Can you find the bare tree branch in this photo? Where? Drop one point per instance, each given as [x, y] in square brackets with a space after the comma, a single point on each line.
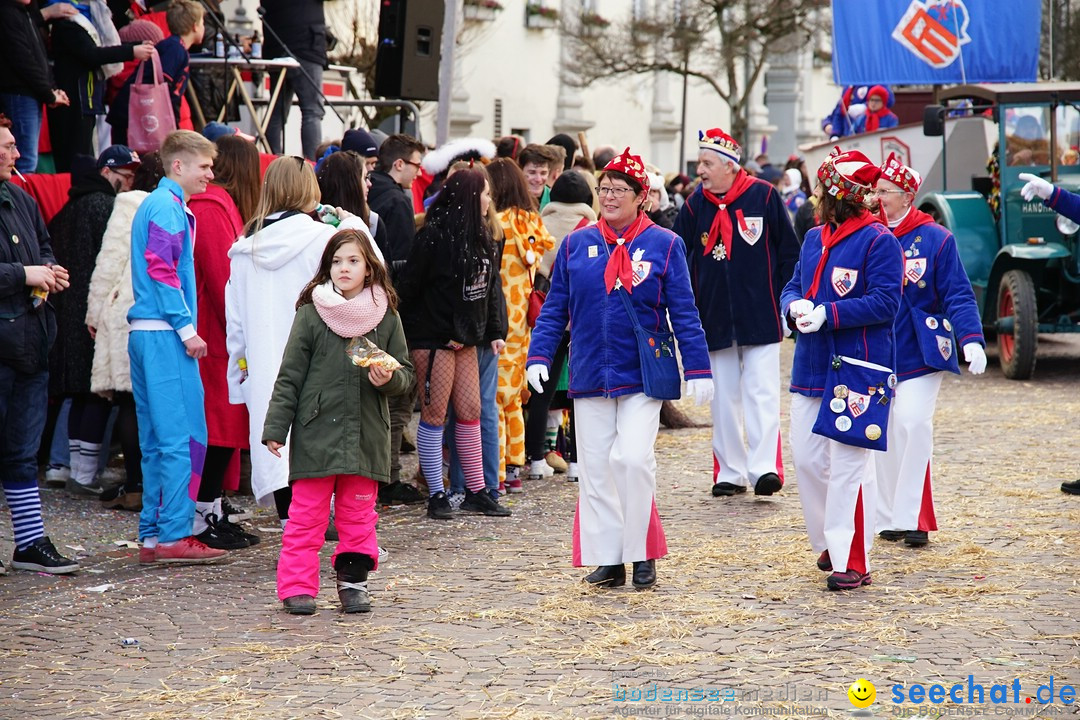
[725, 44]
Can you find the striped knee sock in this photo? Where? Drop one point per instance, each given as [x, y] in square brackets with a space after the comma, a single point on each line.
[25, 504]
[429, 448]
[471, 453]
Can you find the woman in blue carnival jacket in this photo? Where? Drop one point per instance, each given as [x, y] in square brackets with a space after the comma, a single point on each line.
[616, 520]
[938, 302]
[847, 285]
[1067, 204]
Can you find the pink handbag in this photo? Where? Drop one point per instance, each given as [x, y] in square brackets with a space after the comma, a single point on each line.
[150, 110]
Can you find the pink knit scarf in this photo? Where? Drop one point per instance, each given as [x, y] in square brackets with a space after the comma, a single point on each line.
[350, 318]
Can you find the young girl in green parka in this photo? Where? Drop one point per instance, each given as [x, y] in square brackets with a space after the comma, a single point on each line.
[330, 399]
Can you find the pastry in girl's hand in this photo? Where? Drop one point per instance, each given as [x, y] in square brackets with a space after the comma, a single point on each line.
[365, 353]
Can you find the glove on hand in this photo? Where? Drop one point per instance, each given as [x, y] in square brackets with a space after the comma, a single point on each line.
[975, 357]
[536, 375]
[812, 321]
[701, 390]
[1035, 186]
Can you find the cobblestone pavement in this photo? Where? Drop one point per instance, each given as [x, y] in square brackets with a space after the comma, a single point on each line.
[485, 618]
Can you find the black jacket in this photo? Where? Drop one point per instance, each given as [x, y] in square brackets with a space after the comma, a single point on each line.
[26, 333]
[77, 231]
[24, 66]
[78, 65]
[300, 24]
[450, 293]
[395, 210]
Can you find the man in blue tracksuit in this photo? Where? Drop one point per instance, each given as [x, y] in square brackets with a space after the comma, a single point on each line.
[741, 250]
[165, 347]
[1068, 204]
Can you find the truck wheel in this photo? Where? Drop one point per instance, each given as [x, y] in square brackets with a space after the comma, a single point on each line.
[1016, 299]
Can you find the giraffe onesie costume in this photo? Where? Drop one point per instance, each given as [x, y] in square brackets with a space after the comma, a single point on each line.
[526, 243]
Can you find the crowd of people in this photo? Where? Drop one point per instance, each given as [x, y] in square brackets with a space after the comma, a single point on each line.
[535, 303]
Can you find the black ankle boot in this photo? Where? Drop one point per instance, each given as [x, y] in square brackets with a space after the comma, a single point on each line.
[607, 576]
[644, 574]
[352, 572]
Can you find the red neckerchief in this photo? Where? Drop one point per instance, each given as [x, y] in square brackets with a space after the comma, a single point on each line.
[721, 224]
[618, 264]
[873, 120]
[912, 220]
[830, 238]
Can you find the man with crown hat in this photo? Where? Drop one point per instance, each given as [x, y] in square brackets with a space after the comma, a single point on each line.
[938, 304]
[843, 297]
[741, 250]
[623, 258]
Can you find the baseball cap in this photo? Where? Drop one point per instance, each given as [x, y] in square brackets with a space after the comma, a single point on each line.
[213, 130]
[118, 156]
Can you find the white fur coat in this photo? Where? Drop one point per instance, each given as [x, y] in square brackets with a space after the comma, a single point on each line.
[111, 297]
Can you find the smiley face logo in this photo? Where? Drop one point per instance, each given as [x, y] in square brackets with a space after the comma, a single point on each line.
[862, 693]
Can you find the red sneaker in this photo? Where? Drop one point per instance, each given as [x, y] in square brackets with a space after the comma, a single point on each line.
[188, 551]
[514, 485]
[823, 562]
[147, 556]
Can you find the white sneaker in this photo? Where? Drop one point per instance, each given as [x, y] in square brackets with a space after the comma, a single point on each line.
[572, 472]
[57, 475]
[539, 469]
[383, 554]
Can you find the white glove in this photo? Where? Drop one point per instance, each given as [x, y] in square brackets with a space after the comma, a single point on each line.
[812, 321]
[701, 390]
[799, 307]
[536, 375]
[975, 357]
[1035, 186]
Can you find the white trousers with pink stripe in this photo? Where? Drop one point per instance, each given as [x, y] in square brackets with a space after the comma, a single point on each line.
[747, 392]
[616, 519]
[903, 471]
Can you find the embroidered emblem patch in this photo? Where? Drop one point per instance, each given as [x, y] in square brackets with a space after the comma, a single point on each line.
[857, 403]
[750, 228]
[641, 270]
[843, 279]
[914, 269]
[944, 346]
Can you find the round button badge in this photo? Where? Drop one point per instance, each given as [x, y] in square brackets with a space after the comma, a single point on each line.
[873, 432]
[837, 405]
[931, 323]
[843, 423]
[946, 324]
[840, 391]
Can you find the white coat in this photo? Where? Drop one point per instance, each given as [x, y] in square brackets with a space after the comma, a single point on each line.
[268, 271]
[111, 297]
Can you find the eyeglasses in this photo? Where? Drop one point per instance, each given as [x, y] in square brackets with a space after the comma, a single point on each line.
[888, 192]
[123, 173]
[619, 192]
[414, 164]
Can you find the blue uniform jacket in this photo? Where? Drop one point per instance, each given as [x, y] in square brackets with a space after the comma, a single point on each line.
[1064, 202]
[162, 260]
[860, 289]
[934, 282]
[603, 348]
[738, 298]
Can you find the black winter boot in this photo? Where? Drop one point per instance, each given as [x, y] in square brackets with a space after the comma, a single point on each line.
[352, 571]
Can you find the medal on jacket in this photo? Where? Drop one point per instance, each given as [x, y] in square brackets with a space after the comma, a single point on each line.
[718, 251]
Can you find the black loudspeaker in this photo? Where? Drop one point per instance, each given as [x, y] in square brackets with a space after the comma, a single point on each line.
[407, 59]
